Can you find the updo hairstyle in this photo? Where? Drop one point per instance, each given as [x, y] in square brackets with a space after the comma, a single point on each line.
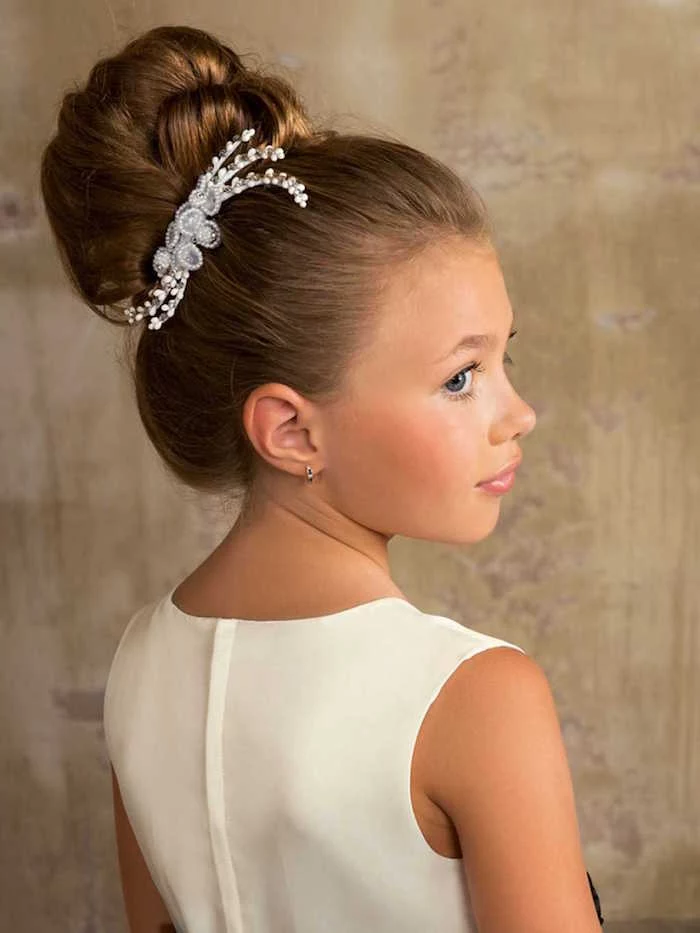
[290, 296]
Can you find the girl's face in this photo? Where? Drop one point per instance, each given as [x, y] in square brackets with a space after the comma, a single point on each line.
[424, 419]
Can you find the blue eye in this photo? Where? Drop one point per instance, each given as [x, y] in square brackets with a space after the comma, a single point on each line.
[473, 367]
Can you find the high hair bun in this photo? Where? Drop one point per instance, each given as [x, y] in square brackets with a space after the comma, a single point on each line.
[131, 142]
[290, 297]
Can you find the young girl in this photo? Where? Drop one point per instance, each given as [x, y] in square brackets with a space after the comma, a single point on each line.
[322, 328]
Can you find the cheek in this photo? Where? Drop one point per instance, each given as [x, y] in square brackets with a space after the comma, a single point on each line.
[411, 470]
[441, 445]
[394, 449]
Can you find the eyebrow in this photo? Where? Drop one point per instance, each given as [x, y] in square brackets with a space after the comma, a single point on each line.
[475, 342]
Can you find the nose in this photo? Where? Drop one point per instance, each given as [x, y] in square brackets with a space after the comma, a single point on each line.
[517, 420]
[526, 418]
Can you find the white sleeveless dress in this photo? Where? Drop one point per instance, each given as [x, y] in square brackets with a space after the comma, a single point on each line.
[265, 767]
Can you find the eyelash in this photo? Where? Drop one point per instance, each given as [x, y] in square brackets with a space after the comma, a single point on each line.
[478, 368]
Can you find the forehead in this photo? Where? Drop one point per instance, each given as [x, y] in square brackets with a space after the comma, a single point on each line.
[450, 290]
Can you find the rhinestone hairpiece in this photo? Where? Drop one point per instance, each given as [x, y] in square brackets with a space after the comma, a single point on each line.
[192, 228]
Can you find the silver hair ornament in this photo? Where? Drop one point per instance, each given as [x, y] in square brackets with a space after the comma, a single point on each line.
[192, 228]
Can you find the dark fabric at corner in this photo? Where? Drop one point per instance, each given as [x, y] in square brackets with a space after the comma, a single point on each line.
[596, 899]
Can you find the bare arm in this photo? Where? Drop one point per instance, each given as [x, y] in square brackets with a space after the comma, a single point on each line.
[500, 771]
[145, 910]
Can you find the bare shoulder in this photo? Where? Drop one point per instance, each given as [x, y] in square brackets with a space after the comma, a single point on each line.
[499, 770]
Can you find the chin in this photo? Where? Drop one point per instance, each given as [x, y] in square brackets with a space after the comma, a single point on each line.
[468, 526]
[467, 533]
[474, 531]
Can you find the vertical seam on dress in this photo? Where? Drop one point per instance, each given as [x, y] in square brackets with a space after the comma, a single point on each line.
[218, 682]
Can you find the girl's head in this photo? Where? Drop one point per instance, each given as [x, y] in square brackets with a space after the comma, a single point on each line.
[324, 336]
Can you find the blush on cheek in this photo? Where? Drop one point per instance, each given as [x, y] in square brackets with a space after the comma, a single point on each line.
[442, 452]
[412, 456]
[379, 457]
[398, 475]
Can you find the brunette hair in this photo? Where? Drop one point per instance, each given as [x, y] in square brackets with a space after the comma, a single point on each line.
[289, 295]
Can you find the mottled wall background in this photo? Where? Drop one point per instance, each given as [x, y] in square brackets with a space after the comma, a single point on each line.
[578, 122]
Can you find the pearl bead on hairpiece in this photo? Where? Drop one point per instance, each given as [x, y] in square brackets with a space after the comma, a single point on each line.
[191, 227]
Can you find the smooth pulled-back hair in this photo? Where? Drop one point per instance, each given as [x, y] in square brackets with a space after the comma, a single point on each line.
[291, 295]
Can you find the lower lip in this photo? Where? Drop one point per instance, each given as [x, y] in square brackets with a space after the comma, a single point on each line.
[499, 486]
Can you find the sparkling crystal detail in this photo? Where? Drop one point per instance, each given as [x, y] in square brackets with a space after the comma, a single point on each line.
[189, 256]
[161, 260]
[172, 235]
[208, 234]
[189, 219]
[192, 228]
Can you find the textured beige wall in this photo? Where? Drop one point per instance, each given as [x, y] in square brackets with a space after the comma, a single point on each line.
[578, 122]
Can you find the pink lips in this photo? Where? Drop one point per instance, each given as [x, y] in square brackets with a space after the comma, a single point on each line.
[503, 478]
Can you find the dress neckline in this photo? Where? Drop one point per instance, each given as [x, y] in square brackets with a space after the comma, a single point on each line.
[330, 617]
